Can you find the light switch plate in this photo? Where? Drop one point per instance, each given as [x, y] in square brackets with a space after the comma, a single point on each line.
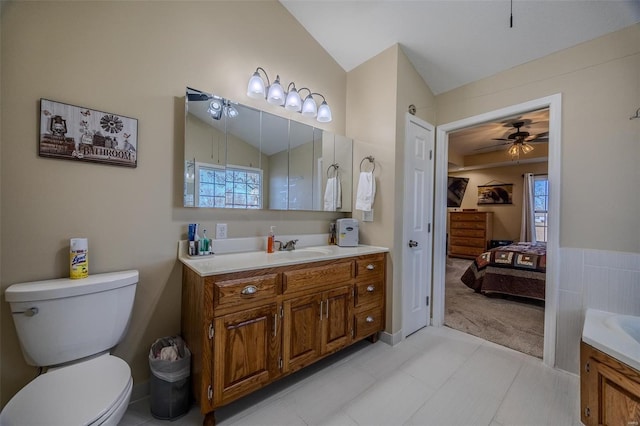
[367, 216]
[221, 231]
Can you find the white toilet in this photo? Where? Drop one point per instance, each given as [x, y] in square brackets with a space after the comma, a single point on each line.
[70, 326]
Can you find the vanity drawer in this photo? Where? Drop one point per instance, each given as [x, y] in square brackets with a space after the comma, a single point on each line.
[369, 268]
[368, 322]
[232, 291]
[369, 293]
[306, 278]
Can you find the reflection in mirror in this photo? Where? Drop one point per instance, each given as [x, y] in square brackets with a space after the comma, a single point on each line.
[240, 157]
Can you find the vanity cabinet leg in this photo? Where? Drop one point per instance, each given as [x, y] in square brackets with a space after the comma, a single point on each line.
[373, 338]
[209, 419]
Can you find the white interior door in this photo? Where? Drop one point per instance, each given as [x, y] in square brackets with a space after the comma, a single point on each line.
[417, 223]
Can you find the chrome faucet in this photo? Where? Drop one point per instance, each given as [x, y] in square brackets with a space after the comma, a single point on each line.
[288, 246]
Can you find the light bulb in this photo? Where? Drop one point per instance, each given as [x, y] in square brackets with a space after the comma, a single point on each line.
[294, 102]
[526, 148]
[255, 88]
[309, 108]
[276, 93]
[324, 113]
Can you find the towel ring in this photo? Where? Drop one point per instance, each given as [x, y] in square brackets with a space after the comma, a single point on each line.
[335, 167]
[371, 160]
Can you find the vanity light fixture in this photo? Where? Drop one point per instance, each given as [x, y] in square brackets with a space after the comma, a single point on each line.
[218, 106]
[291, 99]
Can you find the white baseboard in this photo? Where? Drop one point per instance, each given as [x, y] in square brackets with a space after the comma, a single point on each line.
[391, 339]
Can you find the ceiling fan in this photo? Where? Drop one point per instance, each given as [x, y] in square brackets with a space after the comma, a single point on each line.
[519, 141]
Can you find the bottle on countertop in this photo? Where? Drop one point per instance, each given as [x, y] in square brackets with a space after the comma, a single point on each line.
[271, 239]
[205, 243]
[332, 233]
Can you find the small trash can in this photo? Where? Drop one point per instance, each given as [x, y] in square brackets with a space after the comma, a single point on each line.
[170, 364]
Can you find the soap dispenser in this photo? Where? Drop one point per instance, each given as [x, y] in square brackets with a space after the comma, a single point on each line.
[271, 239]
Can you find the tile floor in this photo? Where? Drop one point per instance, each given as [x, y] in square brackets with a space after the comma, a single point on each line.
[437, 376]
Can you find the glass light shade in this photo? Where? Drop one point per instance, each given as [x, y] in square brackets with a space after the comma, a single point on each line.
[276, 93]
[324, 113]
[526, 148]
[513, 150]
[294, 102]
[231, 111]
[215, 106]
[309, 107]
[255, 88]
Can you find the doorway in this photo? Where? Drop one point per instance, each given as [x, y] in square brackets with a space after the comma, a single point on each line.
[440, 211]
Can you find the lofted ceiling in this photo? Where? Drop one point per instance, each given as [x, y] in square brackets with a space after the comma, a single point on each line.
[452, 43]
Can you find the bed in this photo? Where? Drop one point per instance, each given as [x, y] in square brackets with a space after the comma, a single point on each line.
[517, 270]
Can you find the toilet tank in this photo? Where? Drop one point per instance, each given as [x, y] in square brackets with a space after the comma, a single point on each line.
[63, 320]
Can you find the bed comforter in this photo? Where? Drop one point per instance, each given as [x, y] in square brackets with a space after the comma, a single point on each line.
[517, 270]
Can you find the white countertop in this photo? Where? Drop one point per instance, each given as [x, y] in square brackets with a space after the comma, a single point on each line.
[236, 262]
[616, 335]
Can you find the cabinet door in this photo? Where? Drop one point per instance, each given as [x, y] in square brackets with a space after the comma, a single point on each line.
[246, 348]
[610, 390]
[301, 332]
[337, 319]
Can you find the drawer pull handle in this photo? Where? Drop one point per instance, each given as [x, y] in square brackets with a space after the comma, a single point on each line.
[369, 319]
[249, 290]
[371, 267]
[587, 412]
[370, 288]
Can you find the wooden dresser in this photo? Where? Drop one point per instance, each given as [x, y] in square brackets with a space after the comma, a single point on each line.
[469, 233]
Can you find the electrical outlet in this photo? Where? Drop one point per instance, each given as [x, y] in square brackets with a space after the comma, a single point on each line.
[221, 231]
[367, 216]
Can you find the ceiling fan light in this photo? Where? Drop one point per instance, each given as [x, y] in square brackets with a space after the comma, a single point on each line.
[276, 93]
[526, 148]
[513, 150]
[255, 88]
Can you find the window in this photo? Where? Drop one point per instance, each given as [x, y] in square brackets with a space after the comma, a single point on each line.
[541, 205]
[231, 187]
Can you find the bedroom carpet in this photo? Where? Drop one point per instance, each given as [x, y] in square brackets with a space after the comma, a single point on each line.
[515, 323]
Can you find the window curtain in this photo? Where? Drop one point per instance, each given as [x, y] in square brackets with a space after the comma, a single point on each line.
[528, 228]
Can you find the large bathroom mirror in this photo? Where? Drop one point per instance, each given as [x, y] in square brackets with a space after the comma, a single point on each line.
[240, 157]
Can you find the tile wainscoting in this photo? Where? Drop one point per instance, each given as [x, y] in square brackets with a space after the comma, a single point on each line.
[598, 279]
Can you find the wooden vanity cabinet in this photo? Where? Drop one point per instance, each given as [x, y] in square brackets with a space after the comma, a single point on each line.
[247, 329]
[609, 389]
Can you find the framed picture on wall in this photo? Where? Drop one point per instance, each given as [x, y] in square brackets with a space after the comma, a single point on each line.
[495, 194]
[456, 187]
[82, 134]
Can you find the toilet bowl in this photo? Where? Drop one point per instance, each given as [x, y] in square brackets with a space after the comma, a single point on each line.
[90, 392]
[71, 325]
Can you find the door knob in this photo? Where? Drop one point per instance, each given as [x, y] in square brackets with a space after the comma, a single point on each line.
[413, 243]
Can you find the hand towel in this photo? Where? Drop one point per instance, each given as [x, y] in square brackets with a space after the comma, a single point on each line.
[332, 195]
[366, 191]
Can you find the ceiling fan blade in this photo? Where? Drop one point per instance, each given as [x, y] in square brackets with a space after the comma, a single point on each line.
[492, 146]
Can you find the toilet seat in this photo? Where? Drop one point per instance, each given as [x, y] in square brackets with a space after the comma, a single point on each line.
[85, 393]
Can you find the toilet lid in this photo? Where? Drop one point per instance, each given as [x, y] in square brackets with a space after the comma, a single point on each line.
[77, 394]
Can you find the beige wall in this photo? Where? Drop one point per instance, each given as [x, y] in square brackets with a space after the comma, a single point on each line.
[506, 218]
[379, 93]
[600, 85]
[134, 59]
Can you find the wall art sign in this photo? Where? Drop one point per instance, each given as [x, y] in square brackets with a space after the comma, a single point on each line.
[83, 134]
[495, 194]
